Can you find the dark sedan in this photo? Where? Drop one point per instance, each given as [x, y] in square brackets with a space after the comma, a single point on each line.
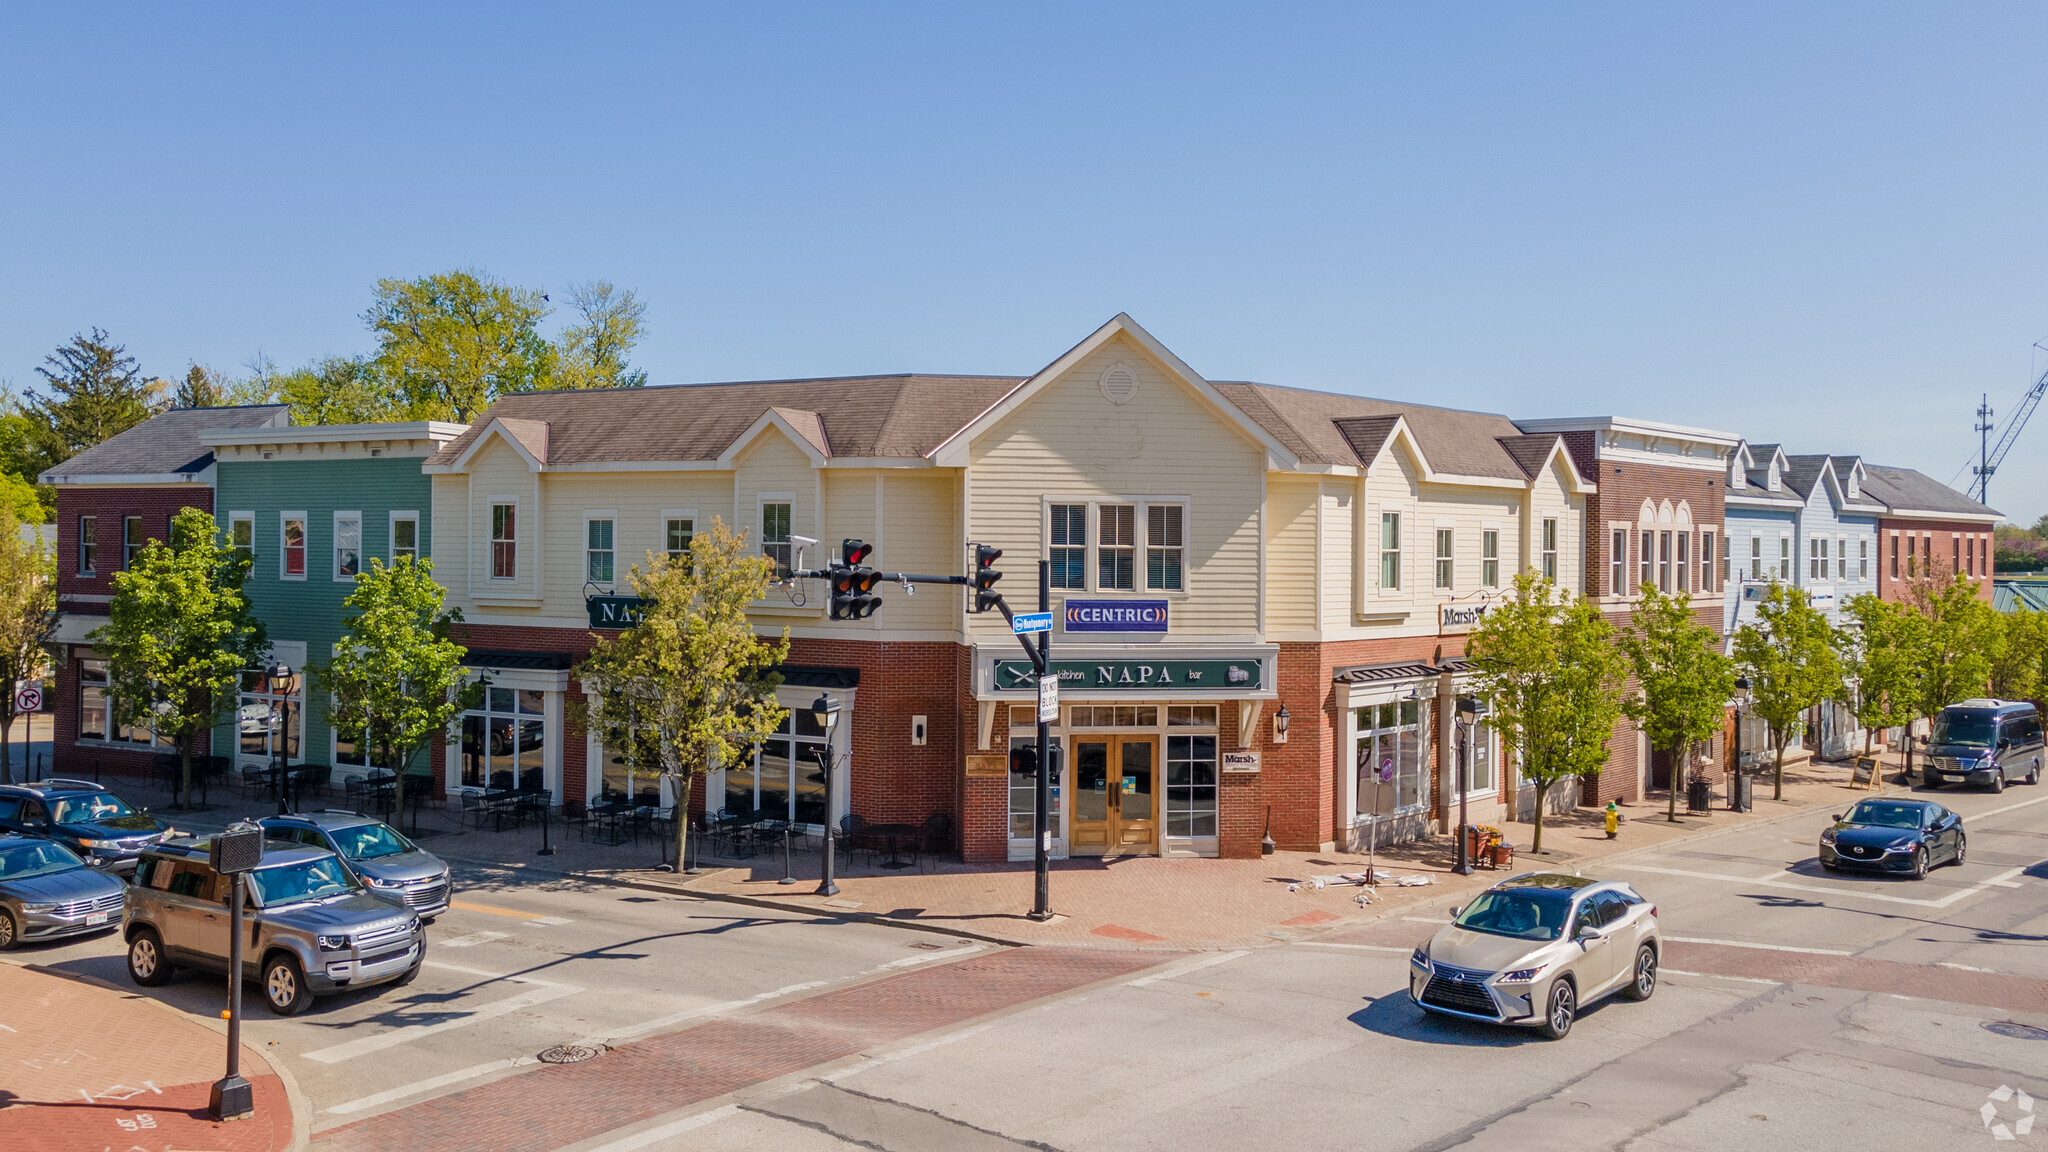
[1908, 836]
[47, 892]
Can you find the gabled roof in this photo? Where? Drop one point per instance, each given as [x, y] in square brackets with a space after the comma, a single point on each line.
[1905, 492]
[1330, 428]
[164, 449]
[1803, 472]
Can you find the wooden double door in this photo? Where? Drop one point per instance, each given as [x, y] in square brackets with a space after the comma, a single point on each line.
[1115, 793]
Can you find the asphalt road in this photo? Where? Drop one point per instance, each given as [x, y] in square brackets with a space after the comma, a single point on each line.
[1798, 1009]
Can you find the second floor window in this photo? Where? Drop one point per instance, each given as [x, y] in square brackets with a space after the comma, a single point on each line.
[677, 534]
[1664, 562]
[504, 541]
[1785, 559]
[598, 553]
[1618, 564]
[1684, 563]
[348, 545]
[405, 538]
[1550, 550]
[242, 536]
[292, 564]
[1756, 556]
[775, 536]
[1116, 542]
[1445, 566]
[1489, 558]
[1164, 546]
[1863, 558]
[1648, 561]
[1069, 546]
[1390, 550]
[1842, 558]
[131, 539]
[89, 545]
[1706, 561]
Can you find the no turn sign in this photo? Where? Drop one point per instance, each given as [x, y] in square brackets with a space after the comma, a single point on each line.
[28, 697]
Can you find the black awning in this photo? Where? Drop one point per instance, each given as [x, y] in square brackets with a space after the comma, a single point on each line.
[524, 661]
[818, 676]
[1374, 673]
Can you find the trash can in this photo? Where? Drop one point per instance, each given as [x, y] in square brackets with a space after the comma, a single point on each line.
[1699, 795]
[1739, 786]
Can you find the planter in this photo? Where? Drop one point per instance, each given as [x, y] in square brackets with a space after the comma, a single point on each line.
[1502, 855]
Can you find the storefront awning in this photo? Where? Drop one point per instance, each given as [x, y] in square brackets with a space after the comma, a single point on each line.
[1375, 673]
[72, 628]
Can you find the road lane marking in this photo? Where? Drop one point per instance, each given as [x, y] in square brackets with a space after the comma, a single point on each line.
[902, 1053]
[1772, 881]
[672, 1128]
[659, 1022]
[472, 940]
[2008, 808]
[412, 1032]
[912, 961]
[516, 978]
[1965, 967]
[1179, 970]
[1765, 947]
[1718, 976]
[529, 917]
[428, 1085]
[1360, 947]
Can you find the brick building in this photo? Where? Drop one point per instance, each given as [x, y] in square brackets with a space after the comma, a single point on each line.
[111, 500]
[1927, 527]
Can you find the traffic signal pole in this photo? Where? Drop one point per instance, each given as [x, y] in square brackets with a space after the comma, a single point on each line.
[1041, 825]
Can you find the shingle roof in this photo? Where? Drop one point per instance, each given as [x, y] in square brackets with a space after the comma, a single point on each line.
[164, 445]
[1904, 490]
[1531, 452]
[1803, 472]
[1453, 441]
[850, 416]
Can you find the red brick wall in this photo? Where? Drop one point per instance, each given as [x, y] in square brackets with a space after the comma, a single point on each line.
[68, 757]
[1948, 539]
[156, 505]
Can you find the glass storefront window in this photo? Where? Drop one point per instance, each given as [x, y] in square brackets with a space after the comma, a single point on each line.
[96, 710]
[1024, 789]
[503, 742]
[253, 737]
[783, 778]
[1390, 736]
[1113, 716]
[1191, 785]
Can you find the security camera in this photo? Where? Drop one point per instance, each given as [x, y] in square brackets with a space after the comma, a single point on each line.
[801, 541]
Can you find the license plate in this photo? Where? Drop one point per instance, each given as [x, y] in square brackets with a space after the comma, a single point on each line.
[1952, 779]
[98, 918]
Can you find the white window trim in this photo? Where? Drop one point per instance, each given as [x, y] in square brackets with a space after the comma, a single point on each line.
[590, 514]
[1492, 790]
[1385, 694]
[1402, 524]
[490, 564]
[1494, 527]
[1088, 535]
[1092, 560]
[391, 523]
[334, 564]
[1144, 545]
[1436, 527]
[667, 514]
[306, 527]
[248, 518]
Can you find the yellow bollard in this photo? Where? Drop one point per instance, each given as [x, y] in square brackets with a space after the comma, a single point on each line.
[1613, 820]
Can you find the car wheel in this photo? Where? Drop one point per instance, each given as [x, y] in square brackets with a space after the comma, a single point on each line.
[1962, 849]
[9, 936]
[1919, 864]
[2034, 775]
[146, 963]
[411, 974]
[1645, 982]
[284, 986]
[1998, 782]
[1563, 1009]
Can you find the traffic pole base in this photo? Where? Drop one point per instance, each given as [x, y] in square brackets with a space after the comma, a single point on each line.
[232, 1099]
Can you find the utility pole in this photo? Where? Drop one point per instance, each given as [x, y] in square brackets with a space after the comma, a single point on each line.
[1984, 466]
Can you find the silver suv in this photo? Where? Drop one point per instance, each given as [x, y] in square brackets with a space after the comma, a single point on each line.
[395, 868]
[313, 927]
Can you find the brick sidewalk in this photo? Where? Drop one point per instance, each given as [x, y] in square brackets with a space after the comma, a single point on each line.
[90, 1068]
[554, 1105]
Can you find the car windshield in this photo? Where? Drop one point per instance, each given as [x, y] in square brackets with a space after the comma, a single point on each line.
[86, 809]
[1524, 915]
[309, 880]
[1965, 729]
[36, 858]
[369, 841]
[1885, 815]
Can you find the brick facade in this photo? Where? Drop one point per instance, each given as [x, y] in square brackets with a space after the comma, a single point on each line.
[1949, 542]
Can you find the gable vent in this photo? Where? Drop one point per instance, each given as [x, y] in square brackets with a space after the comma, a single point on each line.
[1119, 383]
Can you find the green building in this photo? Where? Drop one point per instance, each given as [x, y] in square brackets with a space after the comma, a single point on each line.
[314, 505]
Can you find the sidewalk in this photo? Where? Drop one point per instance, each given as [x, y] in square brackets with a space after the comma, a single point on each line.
[1139, 902]
[91, 1068]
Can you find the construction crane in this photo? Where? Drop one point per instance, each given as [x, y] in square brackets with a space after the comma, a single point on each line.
[1989, 455]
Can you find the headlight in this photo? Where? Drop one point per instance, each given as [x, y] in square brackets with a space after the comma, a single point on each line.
[102, 845]
[373, 882]
[38, 909]
[1828, 837]
[1523, 975]
[332, 943]
[1420, 958]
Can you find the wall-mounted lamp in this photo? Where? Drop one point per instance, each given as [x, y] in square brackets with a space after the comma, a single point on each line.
[1280, 719]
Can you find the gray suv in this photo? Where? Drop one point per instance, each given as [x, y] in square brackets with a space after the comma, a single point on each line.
[313, 928]
[392, 866]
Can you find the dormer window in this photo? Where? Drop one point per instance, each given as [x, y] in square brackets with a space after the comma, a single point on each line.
[1735, 477]
[1773, 481]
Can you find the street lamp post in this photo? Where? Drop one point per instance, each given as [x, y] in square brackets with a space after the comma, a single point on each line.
[282, 684]
[1471, 710]
[825, 711]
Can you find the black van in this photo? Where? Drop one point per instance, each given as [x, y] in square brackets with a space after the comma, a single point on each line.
[1984, 742]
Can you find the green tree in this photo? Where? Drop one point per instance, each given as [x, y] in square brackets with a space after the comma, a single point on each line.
[92, 390]
[1884, 660]
[396, 678]
[1548, 668]
[2016, 661]
[692, 684]
[28, 612]
[1685, 680]
[1791, 655]
[1961, 638]
[592, 352]
[340, 390]
[178, 635]
[452, 342]
[202, 387]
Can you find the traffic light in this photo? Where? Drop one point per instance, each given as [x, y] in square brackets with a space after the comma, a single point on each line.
[1024, 760]
[985, 576]
[853, 583]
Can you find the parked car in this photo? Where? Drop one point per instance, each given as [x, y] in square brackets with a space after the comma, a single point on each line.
[1907, 836]
[1987, 742]
[47, 892]
[84, 817]
[316, 929]
[1535, 949]
[391, 866]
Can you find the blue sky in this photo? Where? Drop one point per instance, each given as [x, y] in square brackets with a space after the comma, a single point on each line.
[1820, 225]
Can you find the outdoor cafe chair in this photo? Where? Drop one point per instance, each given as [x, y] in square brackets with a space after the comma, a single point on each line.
[574, 814]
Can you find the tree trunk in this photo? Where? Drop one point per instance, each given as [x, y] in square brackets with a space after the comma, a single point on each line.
[681, 783]
[6, 746]
[1536, 843]
[1671, 778]
[1778, 765]
[397, 785]
[185, 743]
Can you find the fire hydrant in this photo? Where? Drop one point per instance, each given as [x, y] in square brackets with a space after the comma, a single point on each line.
[1613, 820]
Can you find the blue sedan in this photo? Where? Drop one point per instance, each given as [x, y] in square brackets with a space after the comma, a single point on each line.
[1908, 836]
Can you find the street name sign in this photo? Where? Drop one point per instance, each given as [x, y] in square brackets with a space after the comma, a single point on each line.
[1025, 623]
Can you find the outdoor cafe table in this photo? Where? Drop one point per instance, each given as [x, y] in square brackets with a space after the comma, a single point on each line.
[890, 832]
[613, 813]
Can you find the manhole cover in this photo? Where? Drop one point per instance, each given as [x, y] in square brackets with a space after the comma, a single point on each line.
[566, 1054]
[2017, 1030]
[924, 946]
